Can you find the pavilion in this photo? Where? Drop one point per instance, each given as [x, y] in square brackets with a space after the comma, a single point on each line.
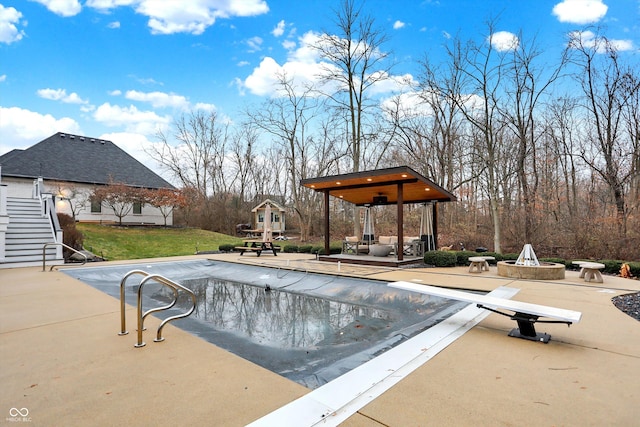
[397, 185]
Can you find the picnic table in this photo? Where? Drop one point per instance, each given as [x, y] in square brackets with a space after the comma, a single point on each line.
[257, 246]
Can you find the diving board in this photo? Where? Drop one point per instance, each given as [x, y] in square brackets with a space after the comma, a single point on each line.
[525, 314]
[334, 402]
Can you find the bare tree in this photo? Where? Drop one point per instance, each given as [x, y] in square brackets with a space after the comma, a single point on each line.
[286, 117]
[356, 62]
[608, 88]
[194, 155]
[526, 86]
[482, 71]
[76, 196]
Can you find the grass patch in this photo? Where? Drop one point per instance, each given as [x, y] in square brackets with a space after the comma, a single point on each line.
[121, 243]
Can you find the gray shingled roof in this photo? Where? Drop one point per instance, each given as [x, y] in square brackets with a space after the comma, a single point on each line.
[80, 159]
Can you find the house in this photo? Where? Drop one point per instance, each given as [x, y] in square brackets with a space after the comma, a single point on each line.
[277, 216]
[59, 174]
[71, 166]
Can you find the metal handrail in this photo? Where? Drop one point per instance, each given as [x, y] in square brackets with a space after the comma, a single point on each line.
[175, 287]
[123, 320]
[44, 254]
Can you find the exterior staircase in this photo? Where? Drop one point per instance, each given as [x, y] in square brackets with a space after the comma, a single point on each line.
[27, 232]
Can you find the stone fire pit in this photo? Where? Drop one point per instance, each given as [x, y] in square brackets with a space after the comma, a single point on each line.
[544, 271]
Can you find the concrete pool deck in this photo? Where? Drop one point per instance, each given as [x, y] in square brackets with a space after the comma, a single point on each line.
[62, 361]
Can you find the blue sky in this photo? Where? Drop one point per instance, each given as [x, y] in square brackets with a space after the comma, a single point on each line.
[121, 69]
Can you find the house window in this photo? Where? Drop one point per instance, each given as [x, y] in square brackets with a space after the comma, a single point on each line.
[96, 206]
[137, 208]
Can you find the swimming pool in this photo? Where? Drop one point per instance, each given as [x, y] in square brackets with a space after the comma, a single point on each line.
[310, 328]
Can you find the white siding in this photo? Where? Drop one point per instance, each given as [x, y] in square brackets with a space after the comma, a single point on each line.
[78, 194]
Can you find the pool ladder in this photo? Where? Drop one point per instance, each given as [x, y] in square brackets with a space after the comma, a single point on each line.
[140, 315]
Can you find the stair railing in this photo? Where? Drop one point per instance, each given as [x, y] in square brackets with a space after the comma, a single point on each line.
[174, 286]
[44, 254]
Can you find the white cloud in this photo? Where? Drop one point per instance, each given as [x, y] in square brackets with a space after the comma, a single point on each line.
[113, 25]
[279, 29]
[304, 67]
[580, 11]
[20, 128]
[289, 44]
[390, 83]
[590, 40]
[407, 105]
[504, 40]
[254, 43]
[204, 106]
[10, 18]
[398, 24]
[116, 92]
[61, 95]
[3, 78]
[62, 7]
[158, 99]
[146, 81]
[263, 79]
[186, 16]
[132, 119]
[414, 104]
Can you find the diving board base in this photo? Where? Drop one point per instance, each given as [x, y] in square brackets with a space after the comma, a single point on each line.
[538, 337]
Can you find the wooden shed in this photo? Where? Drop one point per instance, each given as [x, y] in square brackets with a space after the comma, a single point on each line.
[277, 216]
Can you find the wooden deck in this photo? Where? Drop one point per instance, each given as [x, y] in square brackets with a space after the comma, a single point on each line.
[388, 261]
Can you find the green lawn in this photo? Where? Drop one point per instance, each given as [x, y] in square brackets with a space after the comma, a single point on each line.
[121, 243]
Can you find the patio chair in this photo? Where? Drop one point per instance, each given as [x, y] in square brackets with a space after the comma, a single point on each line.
[351, 245]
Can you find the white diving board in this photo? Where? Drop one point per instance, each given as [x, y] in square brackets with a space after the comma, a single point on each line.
[334, 402]
[526, 314]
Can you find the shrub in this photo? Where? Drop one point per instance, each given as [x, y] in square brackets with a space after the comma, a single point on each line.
[463, 257]
[497, 256]
[290, 248]
[335, 249]
[317, 249]
[554, 260]
[226, 247]
[510, 256]
[440, 258]
[611, 266]
[71, 236]
[305, 249]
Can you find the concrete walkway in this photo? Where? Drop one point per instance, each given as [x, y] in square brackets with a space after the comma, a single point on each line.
[62, 362]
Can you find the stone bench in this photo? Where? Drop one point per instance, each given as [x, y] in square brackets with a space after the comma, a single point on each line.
[590, 271]
[479, 263]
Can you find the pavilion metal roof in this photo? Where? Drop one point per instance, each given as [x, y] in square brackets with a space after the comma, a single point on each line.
[380, 187]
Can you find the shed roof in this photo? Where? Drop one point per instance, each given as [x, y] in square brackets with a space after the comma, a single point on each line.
[380, 187]
[79, 159]
[273, 204]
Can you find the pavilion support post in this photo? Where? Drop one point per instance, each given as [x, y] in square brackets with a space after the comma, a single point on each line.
[327, 241]
[434, 217]
[400, 250]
